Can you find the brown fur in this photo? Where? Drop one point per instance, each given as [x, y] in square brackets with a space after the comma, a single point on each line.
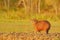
[42, 25]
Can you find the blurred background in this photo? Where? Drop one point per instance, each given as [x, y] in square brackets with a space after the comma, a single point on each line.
[16, 15]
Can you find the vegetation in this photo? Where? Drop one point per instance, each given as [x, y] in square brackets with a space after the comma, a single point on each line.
[15, 11]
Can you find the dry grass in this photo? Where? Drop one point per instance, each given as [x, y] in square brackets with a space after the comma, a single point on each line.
[29, 36]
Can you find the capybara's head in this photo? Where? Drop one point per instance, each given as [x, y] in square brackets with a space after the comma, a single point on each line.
[34, 21]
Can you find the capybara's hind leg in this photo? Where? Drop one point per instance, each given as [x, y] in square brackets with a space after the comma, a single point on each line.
[47, 31]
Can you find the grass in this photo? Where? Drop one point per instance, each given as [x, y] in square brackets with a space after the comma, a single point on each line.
[29, 36]
[18, 21]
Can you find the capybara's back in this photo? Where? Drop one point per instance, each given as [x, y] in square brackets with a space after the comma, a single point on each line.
[42, 25]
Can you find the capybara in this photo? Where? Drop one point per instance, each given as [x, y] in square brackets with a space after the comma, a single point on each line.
[41, 25]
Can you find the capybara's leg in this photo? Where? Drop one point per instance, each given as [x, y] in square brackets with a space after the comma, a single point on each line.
[47, 31]
[38, 30]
